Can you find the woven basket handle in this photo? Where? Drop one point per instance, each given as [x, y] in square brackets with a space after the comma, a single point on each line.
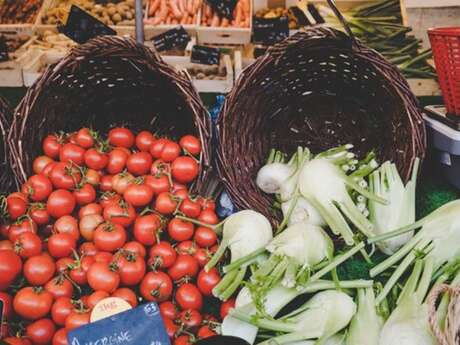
[342, 20]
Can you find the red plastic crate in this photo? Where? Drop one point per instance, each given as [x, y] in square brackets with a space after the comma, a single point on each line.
[445, 43]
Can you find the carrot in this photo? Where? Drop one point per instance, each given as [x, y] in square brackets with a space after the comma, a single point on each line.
[208, 11]
[154, 5]
[239, 15]
[175, 21]
[246, 7]
[215, 20]
[175, 9]
[225, 22]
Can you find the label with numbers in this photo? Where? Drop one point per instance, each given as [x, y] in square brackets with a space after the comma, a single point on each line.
[205, 55]
[270, 30]
[3, 50]
[174, 38]
[224, 8]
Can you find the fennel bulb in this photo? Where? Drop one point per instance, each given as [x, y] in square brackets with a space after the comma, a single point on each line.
[301, 211]
[271, 176]
[366, 325]
[400, 211]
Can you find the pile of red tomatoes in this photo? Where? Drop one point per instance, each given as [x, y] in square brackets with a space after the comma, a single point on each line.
[99, 218]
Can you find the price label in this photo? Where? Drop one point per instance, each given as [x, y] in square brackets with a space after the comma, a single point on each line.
[140, 326]
[3, 50]
[270, 30]
[205, 55]
[224, 8]
[174, 38]
[81, 26]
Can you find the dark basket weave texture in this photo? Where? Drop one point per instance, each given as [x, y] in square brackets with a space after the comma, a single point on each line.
[109, 81]
[319, 89]
[6, 178]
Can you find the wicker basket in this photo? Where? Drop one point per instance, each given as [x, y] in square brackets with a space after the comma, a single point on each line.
[6, 180]
[319, 88]
[108, 81]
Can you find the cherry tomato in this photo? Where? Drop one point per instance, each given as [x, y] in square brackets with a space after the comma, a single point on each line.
[163, 255]
[38, 187]
[184, 169]
[89, 209]
[77, 319]
[60, 203]
[156, 286]
[184, 266]
[226, 306]
[189, 297]
[120, 213]
[165, 203]
[122, 137]
[183, 340]
[205, 237]
[190, 318]
[106, 183]
[139, 163]
[88, 249]
[208, 217]
[72, 153]
[60, 337]
[117, 161]
[146, 229]
[131, 269]
[190, 208]
[170, 152]
[138, 195]
[16, 207]
[206, 281]
[41, 332]
[144, 140]
[67, 225]
[121, 182]
[40, 163]
[205, 332]
[157, 147]
[95, 298]
[88, 225]
[102, 277]
[109, 237]
[59, 287]
[135, 248]
[61, 245]
[126, 294]
[38, 214]
[190, 144]
[32, 303]
[171, 327]
[180, 230]
[159, 183]
[20, 227]
[85, 194]
[168, 310]
[27, 245]
[39, 269]
[52, 146]
[202, 256]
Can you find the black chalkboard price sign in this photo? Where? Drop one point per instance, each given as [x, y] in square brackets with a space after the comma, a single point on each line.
[174, 38]
[224, 8]
[205, 55]
[270, 30]
[81, 26]
[3, 50]
[222, 340]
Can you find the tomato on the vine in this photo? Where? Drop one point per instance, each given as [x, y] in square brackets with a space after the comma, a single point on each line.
[60, 337]
[162, 255]
[52, 146]
[184, 169]
[189, 297]
[184, 266]
[120, 213]
[168, 310]
[10, 267]
[170, 151]
[84, 138]
[131, 269]
[38, 213]
[190, 208]
[32, 303]
[144, 140]
[190, 144]
[156, 286]
[60, 203]
[226, 306]
[16, 206]
[109, 237]
[21, 226]
[39, 269]
[171, 327]
[61, 245]
[205, 237]
[122, 137]
[126, 294]
[206, 281]
[85, 194]
[180, 230]
[208, 216]
[59, 286]
[95, 298]
[41, 332]
[77, 318]
[38, 187]
[117, 161]
[190, 318]
[121, 182]
[165, 203]
[92, 208]
[205, 332]
[135, 248]
[139, 163]
[138, 194]
[67, 225]
[101, 276]
[28, 244]
[40, 163]
[146, 228]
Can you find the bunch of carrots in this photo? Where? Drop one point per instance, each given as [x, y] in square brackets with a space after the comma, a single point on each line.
[241, 16]
[172, 11]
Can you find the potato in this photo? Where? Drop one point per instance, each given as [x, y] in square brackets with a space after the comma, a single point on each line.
[116, 18]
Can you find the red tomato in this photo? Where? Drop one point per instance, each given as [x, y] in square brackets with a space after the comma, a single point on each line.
[144, 140]
[48, 168]
[226, 306]
[190, 318]
[170, 152]
[171, 327]
[138, 195]
[106, 183]
[95, 298]
[16, 207]
[62, 265]
[159, 183]
[28, 244]
[180, 230]
[32, 303]
[117, 161]
[102, 277]
[38, 187]
[184, 169]
[190, 144]
[85, 138]
[165, 203]
[39, 214]
[206, 281]
[207, 204]
[6, 245]
[41, 332]
[61, 245]
[72, 153]
[120, 213]
[93, 177]
[156, 286]
[85, 194]
[17, 341]
[67, 225]
[7, 304]
[61, 308]
[190, 208]
[163, 255]
[189, 297]
[126, 294]
[20, 227]
[202, 256]
[139, 163]
[39, 269]
[183, 340]
[109, 237]
[60, 203]
[184, 266]
[59, 287]
[60, 337]
[146, 228]
[157, 147]
[160, 167]
[168, 310]
[205, 332]
[208, 217]
[64, 175]
[52, 146]
[77, 319]
[131, 269]
[80, 268]
[122, 137]
[135, 248]
[88, 249]
[205, 237]
[186, 247]
[121, 182]
[88, 225]
[109, 198]
[89, 209]
[105, 257]
[40, 163]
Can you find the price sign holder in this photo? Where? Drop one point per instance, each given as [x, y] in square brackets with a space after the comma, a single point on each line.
[205, 55]
[270, 30]
[81, 26]
[174, 38]
[3, 50]
[224, 8]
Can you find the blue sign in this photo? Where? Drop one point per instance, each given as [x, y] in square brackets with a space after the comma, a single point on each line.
[140, 326]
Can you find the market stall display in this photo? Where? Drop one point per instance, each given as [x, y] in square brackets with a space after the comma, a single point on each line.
[19, 11]
[172, 12]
